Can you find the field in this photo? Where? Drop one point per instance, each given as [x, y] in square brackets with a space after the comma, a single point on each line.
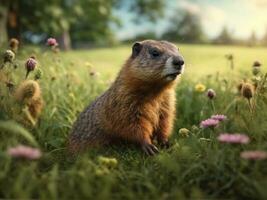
[196, 166]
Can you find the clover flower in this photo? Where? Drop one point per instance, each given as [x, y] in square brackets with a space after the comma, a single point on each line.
[200, 87]
[209, 123]
[233, 138]
[211, 93]
[52, 42]
[219, 117]
[25, 152]
[253, 155]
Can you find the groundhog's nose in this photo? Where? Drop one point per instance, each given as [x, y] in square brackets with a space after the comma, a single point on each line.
[178, 62]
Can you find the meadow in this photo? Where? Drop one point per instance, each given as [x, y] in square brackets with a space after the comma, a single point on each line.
[198, 165]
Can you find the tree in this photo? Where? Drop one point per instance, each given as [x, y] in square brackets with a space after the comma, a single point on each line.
[264, 39]
[252, 40]
[185, 28]
[87, 19]
[224, 37]
[4, 4]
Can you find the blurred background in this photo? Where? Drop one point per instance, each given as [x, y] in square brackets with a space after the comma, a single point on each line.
[92, 23]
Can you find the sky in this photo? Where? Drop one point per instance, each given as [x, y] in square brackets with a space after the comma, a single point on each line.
[241, 17]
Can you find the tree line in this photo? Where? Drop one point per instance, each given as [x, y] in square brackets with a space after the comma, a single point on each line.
[90, 21]
[187, 28]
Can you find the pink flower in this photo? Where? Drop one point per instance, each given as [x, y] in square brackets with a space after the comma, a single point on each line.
[51, 42]
[254, 155]
[22, 151]
[219, 117]
[209, 123]
[233, 138]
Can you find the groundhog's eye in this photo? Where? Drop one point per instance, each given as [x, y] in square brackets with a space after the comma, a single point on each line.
[154, 53]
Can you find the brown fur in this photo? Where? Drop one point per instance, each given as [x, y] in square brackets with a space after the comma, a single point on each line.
[139, 106]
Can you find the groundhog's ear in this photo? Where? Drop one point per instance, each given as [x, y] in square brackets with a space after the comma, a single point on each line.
[137, 47]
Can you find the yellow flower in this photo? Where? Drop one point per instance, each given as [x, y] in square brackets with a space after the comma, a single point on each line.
[200, 87]
[183, 132]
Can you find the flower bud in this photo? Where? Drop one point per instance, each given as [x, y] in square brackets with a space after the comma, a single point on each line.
[38, 74]
[211, 94]
[183, 132]
[30, 65]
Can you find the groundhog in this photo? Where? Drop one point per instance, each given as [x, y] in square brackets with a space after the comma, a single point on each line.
[139, 106]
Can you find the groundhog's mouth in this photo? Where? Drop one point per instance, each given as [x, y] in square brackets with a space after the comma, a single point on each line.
[172, 75]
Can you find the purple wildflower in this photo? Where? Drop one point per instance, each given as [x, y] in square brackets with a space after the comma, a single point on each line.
[254, 155]
[219, 117]
[26, 152]
[52, 42]
[209, 123]
[233, 138]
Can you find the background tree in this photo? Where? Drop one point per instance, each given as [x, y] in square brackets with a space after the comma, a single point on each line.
[185, 28]
[224, 37]
[88, 20]
[4, 4]
[264, 39]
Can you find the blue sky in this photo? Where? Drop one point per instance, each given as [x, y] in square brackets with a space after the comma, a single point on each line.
[240, 16]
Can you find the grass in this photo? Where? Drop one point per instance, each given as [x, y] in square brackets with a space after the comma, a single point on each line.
[195, 167]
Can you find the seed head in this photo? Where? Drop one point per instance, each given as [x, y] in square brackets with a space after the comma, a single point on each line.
[27, 90]
[35, 107]
[256, 64]
[247, 90]
[229, 56]
[14, 44]
[8, 56]
[239, 87]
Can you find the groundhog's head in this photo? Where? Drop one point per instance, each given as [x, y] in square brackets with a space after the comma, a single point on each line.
[156, 61]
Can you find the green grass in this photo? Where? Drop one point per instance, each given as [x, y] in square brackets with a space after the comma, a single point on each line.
[193, 167]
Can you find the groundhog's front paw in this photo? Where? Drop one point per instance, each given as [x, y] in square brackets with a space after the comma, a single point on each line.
[150, 149]
[164, 144]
